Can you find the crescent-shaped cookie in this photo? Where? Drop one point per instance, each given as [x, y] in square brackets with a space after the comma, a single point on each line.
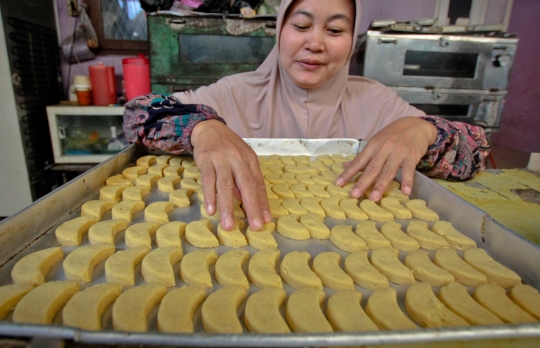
[33, 268]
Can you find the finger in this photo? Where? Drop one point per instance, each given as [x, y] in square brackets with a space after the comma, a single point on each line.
[371, 170]
[236, 193]
[407, 176]
[250, 196]
[386, 175]
[353, 167]
[208, 181]
[225, 187]
[263, 197]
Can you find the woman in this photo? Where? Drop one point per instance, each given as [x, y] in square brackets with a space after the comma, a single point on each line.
[302, 90]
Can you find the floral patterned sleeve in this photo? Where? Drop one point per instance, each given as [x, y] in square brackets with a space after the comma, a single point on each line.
[459, 152]
[161, 121]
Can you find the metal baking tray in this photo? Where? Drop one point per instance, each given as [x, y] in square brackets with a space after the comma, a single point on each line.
[33, 229]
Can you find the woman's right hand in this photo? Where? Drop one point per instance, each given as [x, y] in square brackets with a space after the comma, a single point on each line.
[229, 168]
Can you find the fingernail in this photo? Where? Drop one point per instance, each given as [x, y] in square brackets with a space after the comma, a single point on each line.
[257, 224]
[210, 209]
[406, 190]
[375, 195]
[227, 222]
[267, 217]
[355, 192]
[340, 181]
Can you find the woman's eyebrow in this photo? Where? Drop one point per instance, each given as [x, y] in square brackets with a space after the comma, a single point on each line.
[339, 16]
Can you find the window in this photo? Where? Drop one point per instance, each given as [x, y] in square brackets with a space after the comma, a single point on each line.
[120, 25]
[474, 12]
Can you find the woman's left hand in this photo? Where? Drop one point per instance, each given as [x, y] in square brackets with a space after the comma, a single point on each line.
[401, 144]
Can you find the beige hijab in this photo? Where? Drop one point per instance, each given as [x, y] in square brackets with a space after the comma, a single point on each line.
[266, 103]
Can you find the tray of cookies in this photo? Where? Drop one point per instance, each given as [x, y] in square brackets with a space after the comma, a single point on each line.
[126, 254]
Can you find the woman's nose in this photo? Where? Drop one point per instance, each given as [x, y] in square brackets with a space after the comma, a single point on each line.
[314, 41]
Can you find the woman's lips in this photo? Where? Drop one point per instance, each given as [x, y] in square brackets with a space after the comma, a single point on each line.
[309, 64]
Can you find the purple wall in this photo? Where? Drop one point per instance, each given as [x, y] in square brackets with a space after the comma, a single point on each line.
[521, 116]
[66, 23]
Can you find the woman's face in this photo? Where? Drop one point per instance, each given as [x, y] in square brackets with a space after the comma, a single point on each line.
[316, 40]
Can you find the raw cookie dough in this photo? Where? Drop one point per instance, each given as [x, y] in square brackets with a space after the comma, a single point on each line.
[343, 237]
[369, 233]
[527, 297]
[262, 312]
[180, 197]
[399, 240]
[70, 233]
[10, 295]
[228, 271]
[194, 268]
[125, 210]
[295, 271]
[386, 261]
[449, 260]
[375, 212]
[304, 313]
[420, 211]
[289, 227]
[199, 234]
[113, 192]
[427, 239]
[80, 263]
[494, 298]
[157, 169]
[289, 178]
[495, 272]
[192, 172]
[312, 205]
[276, 209]
[120, 266]
[316, 226]
[453, 237]
[393, 205]
[319, 190]
[344, 312]
[132, 173]
[147, 180]
[190, 183]
[164, 159]
[106, 231]
[177, 308]
[146, 161]
[383, 309]
[33, 268]
[427, 310]
[233, 238]
[352, 210]
[131, 309]
[262, 269]
[95, 209]
[458, 300]
[40, 305]
[283, 191]
[118, 180]
[425, 270]
[219, 311]
[158, 212]
[85, 308]
[157, 266]
[326, 266]
[332, 209]
[262, 239]
[293, 206]
[135, 193]
[170, 234]
[172, 170]
[167, 184]
[363, 273]
[300, 190]
[140, 234]
[337, 191]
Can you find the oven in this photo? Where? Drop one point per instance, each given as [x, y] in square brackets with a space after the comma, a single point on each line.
[458, 77]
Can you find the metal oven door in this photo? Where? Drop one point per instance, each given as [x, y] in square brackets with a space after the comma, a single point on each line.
[481, 108]
[460, 62]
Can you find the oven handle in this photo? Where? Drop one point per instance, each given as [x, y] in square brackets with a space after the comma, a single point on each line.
[388, 40]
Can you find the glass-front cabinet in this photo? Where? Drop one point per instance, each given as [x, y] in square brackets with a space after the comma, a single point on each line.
[85, 134]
